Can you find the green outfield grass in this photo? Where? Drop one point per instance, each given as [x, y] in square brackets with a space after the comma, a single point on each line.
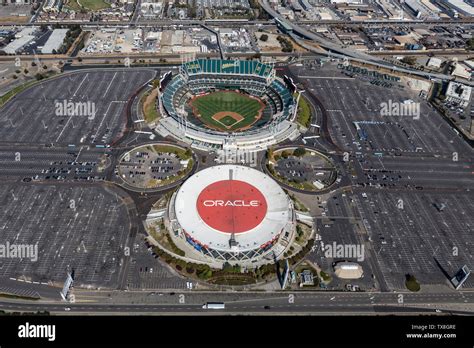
[228, 120]
[93, 5]
[209, 105]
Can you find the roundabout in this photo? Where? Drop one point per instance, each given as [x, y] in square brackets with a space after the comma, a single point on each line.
[154, 166]
[302, 169]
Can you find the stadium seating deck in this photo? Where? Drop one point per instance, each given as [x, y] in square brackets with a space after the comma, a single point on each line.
[216, 66]
[253, 77]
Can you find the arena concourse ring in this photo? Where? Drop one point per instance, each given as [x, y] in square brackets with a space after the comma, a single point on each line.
[247, 106]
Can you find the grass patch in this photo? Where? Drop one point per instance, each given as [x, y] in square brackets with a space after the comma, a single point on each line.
[93, 5]
[304, 112]
[162, 236]
[325, 277]
[228, 120]
[150, 113]
[183, 154]
[17, 297]
[10, 94]
[232, 279]
[18, 89]
[298, 204]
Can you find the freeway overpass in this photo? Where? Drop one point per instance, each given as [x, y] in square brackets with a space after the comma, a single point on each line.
[337, 51]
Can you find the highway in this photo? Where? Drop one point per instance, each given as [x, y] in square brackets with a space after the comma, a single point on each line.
[257, 302]
[137, 22]
[338, 51]
[326, 44]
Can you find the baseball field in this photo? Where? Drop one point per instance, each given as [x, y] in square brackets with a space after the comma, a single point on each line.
[227, 110]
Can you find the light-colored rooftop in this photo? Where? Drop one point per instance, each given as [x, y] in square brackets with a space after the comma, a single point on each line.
[54, 41]
[276, 214]
[348, 270]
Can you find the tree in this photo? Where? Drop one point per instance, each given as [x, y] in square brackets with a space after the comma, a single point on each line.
[264, 37]
[286, 44]
[409, 60]
[470, 44]
[226, 267]
[300, 151]
[270, 153]
[411, 283]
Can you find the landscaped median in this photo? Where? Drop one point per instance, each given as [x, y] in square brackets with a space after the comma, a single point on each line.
[148, 103]
[229, 275]
[18, 89]
[303, 116]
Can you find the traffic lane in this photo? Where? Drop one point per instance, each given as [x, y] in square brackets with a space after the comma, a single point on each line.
[327, 308]
[247, 299]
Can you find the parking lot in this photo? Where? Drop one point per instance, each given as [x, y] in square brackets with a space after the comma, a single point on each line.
[420, 164]
[145, 168]
[348, 100]
[38, 163]
[414, 172]
[412, 231]
[306, 169]
[339, 224]
[80, 228]
[148, 272]
[85, 107]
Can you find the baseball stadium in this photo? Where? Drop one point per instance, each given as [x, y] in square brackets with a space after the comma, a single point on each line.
[232, 213]
[218, 104]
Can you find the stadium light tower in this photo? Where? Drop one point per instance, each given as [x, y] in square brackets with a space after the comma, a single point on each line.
[183, 119]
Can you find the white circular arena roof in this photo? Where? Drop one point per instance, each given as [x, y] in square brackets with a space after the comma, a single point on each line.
[230, 200]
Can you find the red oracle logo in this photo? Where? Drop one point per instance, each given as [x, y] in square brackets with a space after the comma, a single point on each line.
[231, 206]
[236, 203]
